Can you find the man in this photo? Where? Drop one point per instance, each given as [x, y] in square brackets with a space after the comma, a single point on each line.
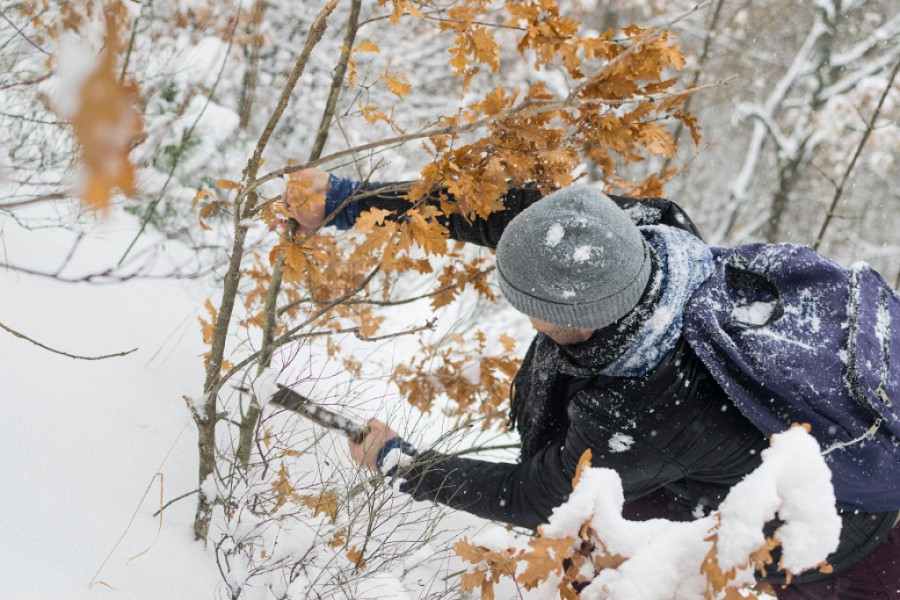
[604, 281]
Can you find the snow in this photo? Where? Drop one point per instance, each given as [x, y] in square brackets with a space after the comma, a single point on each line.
[793, 483]
[495, 538]
[395, 458]
[582, 253]
[753, 314]
[88, 443]
[620, 442]
[77, 59]
[554, 235]
[265, 385]
[83, 440]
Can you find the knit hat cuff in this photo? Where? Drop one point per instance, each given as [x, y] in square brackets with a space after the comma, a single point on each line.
[595, 314]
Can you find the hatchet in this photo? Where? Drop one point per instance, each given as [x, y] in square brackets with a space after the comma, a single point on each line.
[303, 406]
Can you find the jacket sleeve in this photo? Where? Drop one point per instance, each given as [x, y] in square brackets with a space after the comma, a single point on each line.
[525, 494]
[483, 232]
[487, 231]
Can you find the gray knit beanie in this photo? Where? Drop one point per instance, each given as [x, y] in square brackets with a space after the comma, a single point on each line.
[573, 259]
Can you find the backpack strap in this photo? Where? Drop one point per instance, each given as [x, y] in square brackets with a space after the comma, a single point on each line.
[853, 376]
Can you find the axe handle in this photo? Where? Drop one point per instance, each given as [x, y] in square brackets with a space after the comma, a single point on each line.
[300, 404]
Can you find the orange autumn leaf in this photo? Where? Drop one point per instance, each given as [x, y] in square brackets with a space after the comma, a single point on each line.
[373, 114]
[325, 503]
[398, 84]
[355, 556]
[300, 198]
[227, 184]
[208, 329]
[201, 195]
[544, 557]
[583, 463]
[367, 46]
[105, 125]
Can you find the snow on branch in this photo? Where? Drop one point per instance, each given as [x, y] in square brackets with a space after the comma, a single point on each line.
[887, 32]
[786, 146]
[588, 550]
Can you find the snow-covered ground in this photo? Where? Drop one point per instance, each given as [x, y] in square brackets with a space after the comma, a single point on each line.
[89, 447]
[83, 440]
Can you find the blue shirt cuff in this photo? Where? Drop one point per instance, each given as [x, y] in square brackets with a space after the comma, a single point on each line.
[395, 443]
[339, 189]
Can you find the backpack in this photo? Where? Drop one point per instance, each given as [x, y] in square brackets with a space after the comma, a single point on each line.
[794, 338]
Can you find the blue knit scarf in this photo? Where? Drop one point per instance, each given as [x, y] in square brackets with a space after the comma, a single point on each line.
[685, 262]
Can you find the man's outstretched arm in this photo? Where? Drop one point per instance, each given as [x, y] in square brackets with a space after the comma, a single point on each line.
[357, 198]
[522, 494]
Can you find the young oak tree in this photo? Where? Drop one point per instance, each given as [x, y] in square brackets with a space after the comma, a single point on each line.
[614, 110]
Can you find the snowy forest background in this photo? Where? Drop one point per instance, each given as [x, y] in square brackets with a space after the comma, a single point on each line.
[798, 110]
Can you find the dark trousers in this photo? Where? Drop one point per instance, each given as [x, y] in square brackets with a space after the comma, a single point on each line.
[875, 577]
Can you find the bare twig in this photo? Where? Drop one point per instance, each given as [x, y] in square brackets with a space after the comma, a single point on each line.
[429, 325]
[399, 302]
[23, 34]
[859, 148]
[704, 54]
[173, 501]
[317, 30]
[477, 449]
[340, 70]
[130, 49]
[251, 75]
[34, 81]
[54, 350]
[35, 200]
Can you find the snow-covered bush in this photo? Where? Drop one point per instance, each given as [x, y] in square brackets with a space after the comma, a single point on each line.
[589, 551]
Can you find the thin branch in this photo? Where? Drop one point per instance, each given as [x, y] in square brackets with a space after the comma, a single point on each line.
[317, 30]
[399, 302]
[526, 108]
[290, 334]
[251, 75]
[340, 70]
[34, 81]
[476, 449]
[859, 148]
[174, 500]
[428, 326]
[701, 62]
[186, 136]
[54, 350]
[35, 200]
[786, 146]
[30, 120]
[22, 33]
[134, 24]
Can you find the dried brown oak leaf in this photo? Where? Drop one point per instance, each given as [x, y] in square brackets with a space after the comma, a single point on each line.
[106, 124]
